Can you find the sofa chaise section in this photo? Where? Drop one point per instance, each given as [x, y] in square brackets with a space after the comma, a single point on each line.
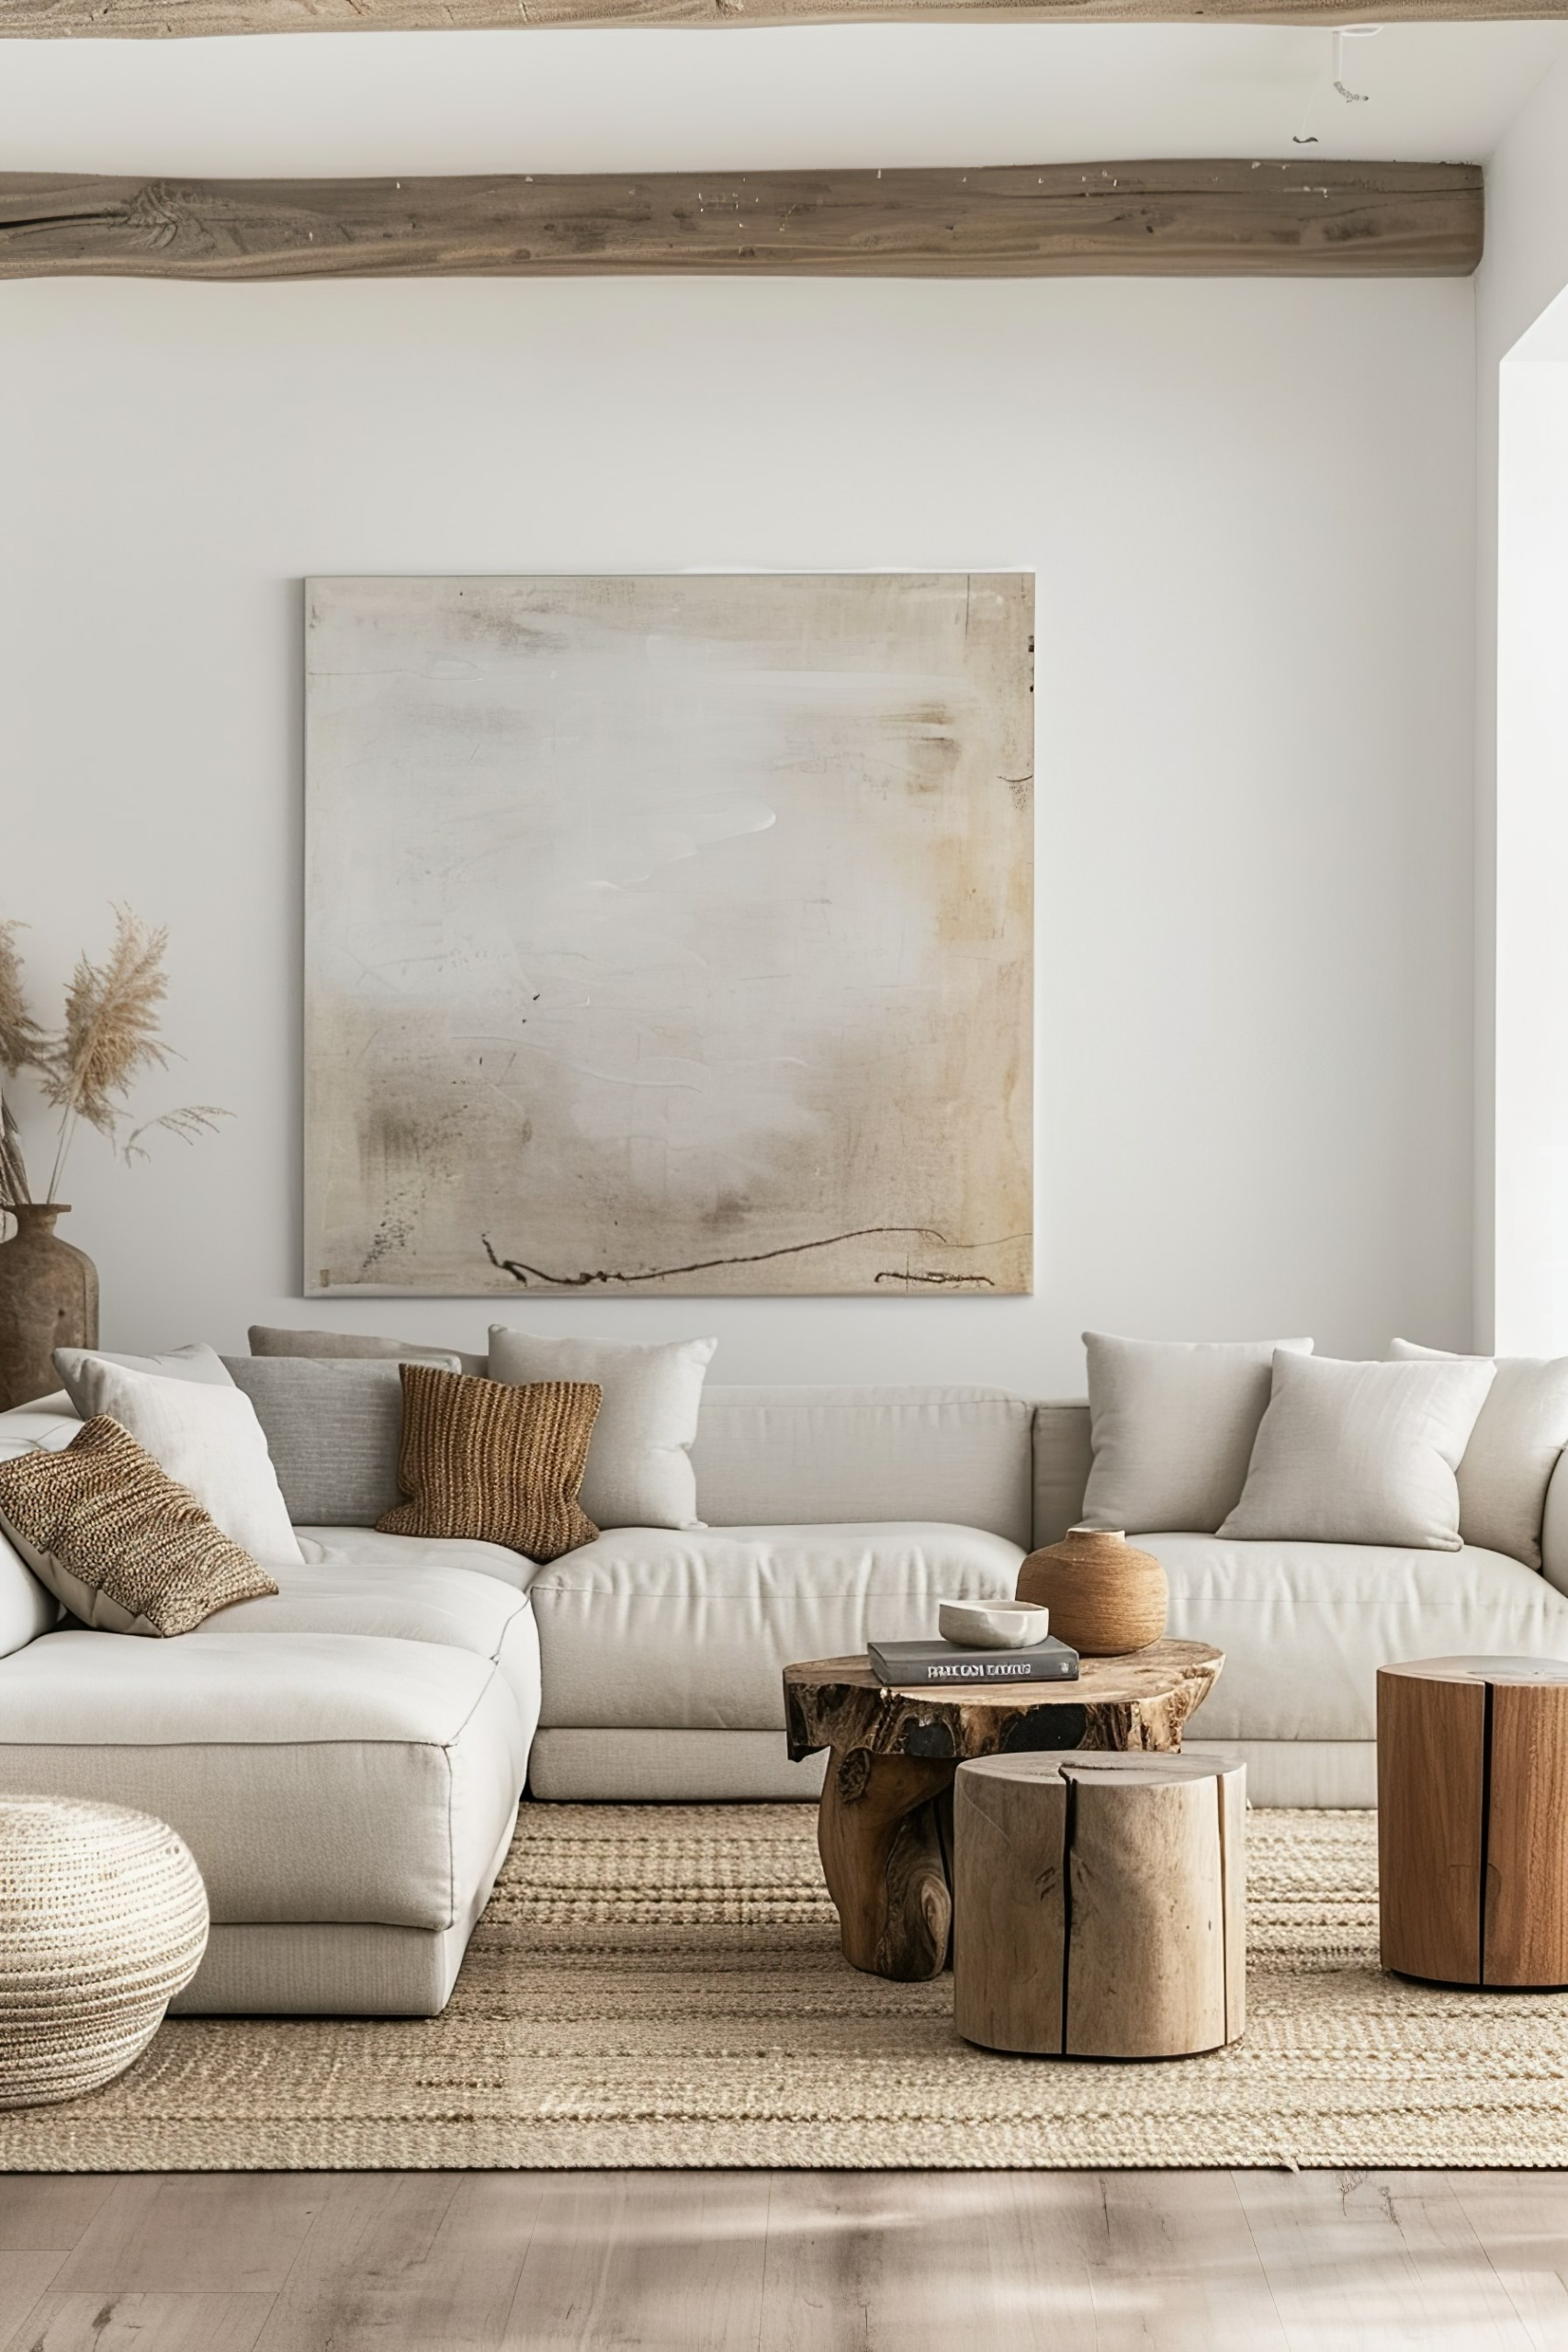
[342, 1794]
[390, 1588]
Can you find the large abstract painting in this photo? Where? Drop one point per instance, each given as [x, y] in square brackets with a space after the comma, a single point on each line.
[669, 934]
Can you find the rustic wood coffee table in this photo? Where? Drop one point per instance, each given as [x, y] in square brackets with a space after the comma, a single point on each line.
[885, 1829]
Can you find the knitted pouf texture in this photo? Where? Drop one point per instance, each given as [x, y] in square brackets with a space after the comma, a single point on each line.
[663, 1986]
[103, 1919]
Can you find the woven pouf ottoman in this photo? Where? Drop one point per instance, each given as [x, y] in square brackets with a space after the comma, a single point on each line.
[103, 1919]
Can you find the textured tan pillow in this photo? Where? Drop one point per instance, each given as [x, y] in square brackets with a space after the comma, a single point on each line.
[119, 1541]
[495, 1464]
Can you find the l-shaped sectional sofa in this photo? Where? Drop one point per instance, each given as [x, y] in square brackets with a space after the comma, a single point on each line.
[345, 1759]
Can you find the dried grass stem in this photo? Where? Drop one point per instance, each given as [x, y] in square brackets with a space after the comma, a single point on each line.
[88, 1068]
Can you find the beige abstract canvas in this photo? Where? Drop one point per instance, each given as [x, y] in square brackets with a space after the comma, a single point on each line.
[668, 934]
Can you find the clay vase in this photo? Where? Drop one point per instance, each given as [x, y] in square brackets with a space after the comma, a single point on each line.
[49, 1299]
[1105, 1596]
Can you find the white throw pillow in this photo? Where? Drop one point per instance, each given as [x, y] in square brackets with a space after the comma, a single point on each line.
[77, 1369]
[1171, 1425]
[1513, 1449]
[1361, 1453]
[210, 1441]
[640, 1466]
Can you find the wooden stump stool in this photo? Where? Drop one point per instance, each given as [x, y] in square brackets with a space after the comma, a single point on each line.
[1099, 1905]
[1473, 1820]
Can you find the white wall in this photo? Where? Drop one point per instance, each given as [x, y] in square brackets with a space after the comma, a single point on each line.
[1521, 1124]
[1531, 966]
[1252, 510]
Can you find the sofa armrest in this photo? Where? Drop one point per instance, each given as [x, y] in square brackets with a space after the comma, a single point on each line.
[1061, 1469]
[51, 1423]
[1554, 1527]
[26, 1607]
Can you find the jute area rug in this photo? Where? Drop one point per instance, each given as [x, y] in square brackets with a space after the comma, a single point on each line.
[662, 1986]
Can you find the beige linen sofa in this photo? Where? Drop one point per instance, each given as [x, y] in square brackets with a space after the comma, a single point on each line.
[661, 1652]
[345, 1759]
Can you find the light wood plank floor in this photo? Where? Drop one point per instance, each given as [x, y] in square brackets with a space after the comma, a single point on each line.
[784, 2262]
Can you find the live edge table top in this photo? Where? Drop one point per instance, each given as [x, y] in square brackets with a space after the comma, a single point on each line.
[1138, 1701]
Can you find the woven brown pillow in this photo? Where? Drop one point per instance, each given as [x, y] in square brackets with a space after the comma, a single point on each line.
[495, 1464]
[125, 1546]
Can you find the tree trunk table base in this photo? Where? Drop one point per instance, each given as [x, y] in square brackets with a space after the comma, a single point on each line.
[1099, 1905]
[1473, 1821]
[884, 1827]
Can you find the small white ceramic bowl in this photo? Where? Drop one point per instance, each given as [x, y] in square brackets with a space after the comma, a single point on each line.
[993, 1624]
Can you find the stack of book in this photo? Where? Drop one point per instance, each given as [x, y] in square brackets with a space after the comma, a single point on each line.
[913, 1663]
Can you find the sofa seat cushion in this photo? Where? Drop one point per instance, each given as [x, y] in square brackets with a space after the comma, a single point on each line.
[368, 1547]
[1305, 1626]
[402, 1601]
[313, 1776]
[655, 1629]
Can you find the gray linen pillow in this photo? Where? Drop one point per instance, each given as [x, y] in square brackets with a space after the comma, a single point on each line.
[332, 1429]
[1513, 1449]
[1171, 1426]
[75, 1366]
[272, 1339]
[1361, 1453]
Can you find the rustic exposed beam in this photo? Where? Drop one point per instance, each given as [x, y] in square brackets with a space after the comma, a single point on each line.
[1151, 220]
[157, 20]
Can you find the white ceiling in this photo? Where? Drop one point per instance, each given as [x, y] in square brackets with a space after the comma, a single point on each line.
[869, 95]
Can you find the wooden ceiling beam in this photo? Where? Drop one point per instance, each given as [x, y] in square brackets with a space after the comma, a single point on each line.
[1140, 220]
[163, 19]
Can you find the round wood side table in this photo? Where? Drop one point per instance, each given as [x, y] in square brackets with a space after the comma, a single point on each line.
[885, 1829]
[1099, 1905]
[1473, 1820]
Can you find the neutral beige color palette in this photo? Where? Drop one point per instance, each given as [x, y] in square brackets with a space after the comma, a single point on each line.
[600, 1001]
[662, 1986]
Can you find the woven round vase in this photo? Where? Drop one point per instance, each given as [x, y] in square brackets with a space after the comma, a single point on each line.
[1105, 1596]
[103, 1919]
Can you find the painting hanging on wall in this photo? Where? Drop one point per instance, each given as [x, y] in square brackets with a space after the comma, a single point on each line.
[668, 934]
